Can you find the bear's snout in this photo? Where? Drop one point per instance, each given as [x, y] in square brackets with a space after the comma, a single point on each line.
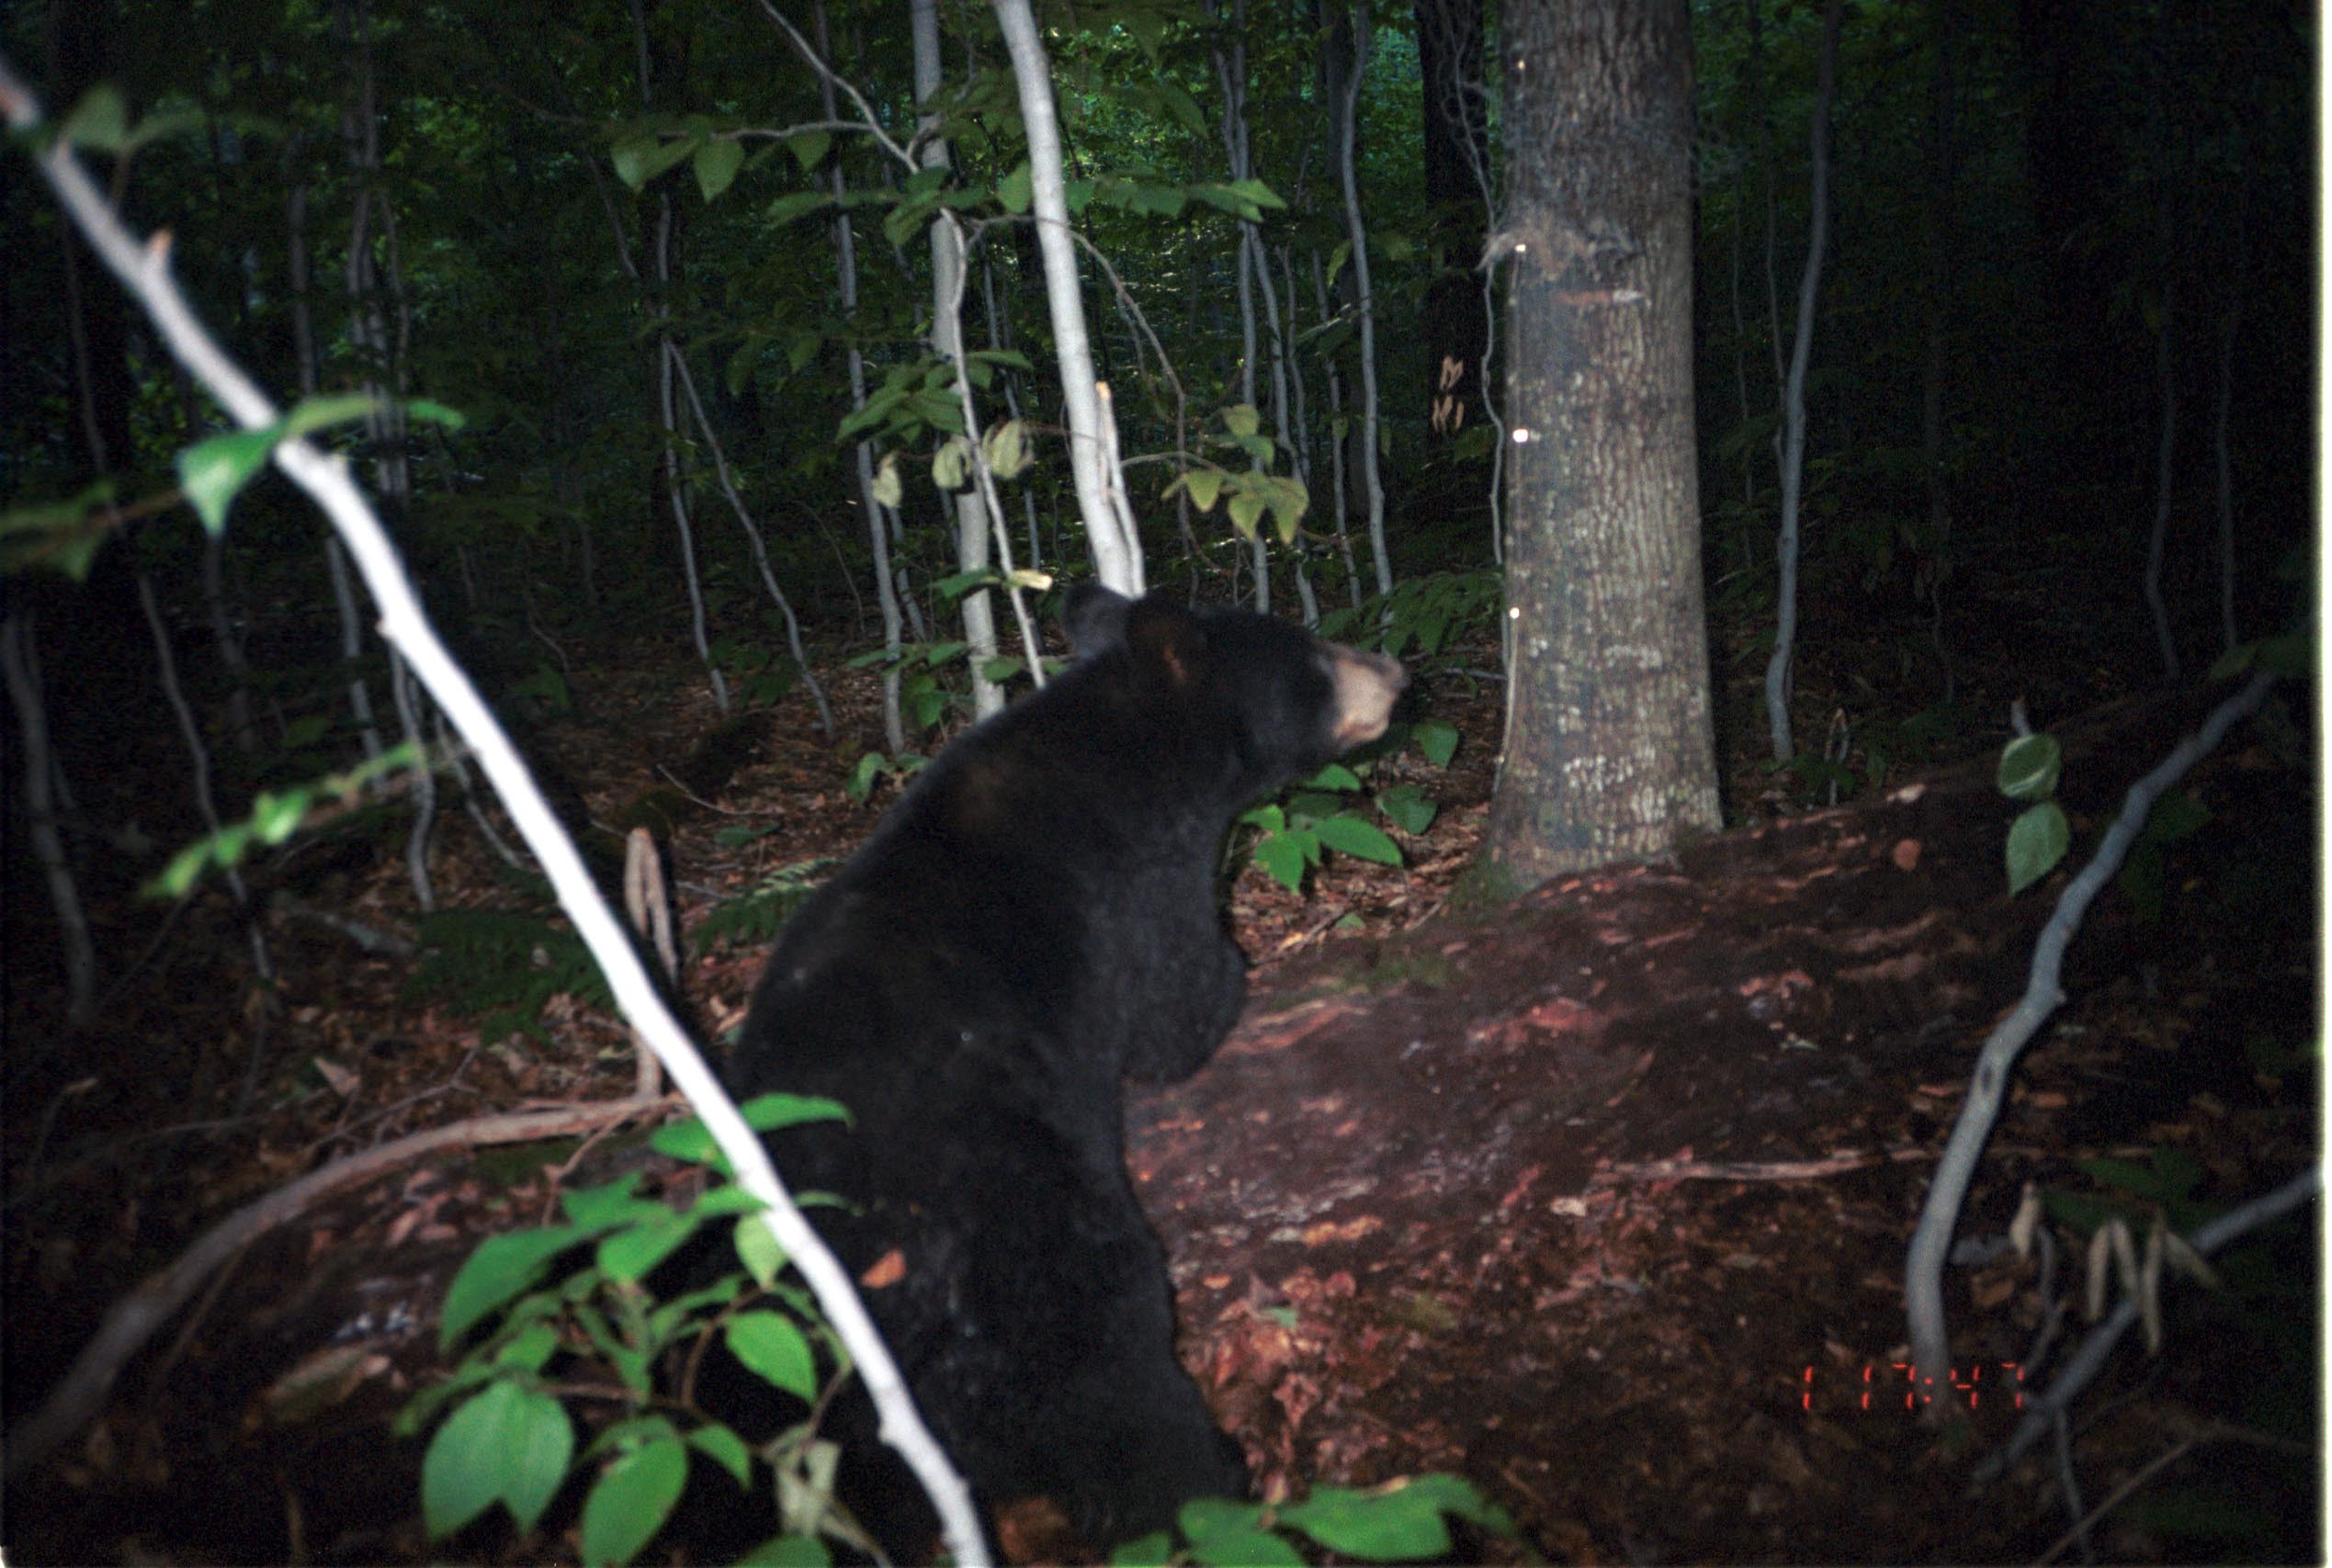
[1367, 684]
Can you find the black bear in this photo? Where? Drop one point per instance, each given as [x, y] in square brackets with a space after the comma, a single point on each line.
[1034, 919]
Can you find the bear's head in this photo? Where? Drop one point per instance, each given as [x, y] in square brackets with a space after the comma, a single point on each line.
[1282, 700]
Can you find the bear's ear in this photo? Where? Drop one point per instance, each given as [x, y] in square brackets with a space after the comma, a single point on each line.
[1094, 619]
[1166, 641]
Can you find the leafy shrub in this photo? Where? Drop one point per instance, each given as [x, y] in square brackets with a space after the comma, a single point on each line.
[1403, 1522]
[1327, 811]
[1423, 617]
[562, 1302]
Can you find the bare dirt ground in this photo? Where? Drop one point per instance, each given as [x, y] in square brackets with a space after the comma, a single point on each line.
[1602, 1203]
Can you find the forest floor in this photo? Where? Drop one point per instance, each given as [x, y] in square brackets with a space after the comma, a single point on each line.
[1604, 1205]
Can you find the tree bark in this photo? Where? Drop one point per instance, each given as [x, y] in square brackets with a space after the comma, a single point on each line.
[1109, 521]
[1609, 751]
[946, 341]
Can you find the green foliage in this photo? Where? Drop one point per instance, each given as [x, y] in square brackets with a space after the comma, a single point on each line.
[62, 534]
[874, 765]
[502, 966]
[551, 1302]
[275, 815]
[2292, 656]
[214, 471]
[1248, 492]
[926, 696]
[756, 915]
[2145, 873]
[1426, 617]
[1328, 811]
[2038, 839]
[760, 672]
[1405, 1521]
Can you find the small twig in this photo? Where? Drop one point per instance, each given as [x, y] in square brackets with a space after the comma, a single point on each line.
[451, 1082]
[695, 799]
[1752, 1171]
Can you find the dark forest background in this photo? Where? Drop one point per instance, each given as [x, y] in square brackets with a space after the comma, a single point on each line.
[2060, 416]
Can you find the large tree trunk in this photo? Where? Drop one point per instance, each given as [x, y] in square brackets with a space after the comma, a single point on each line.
[1609, 750]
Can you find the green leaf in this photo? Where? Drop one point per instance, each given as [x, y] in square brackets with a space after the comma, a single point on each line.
[1230, 1534]
[717, 162]
[507, 1445]
[2036, 842]
[724, 1202]
[1459, 1498]
[2029, 767]
[786, 209]
[1353, 837]
[531, 1349]
[630, 1254]
[1017, 190]
[101, 121]
[430, 412]
[690, 1140]
[772, 1345]
[1246, 511]
[275, 817]
[2176, 815]
[769, 1112]
[1381, 1527]
[639, 158]
[1436, 740]
[1153, 1550]
[1246, 1548]
[1335, 776]
[1259, 193]
[500, 1268]
[607, 1205]
[462, 1474]
[213, 472]
[184, 870]
[1182, 107]
[631, 1499]
[1243, 419]
[312, 414]
[1283, 857]
[1407, 807]
[1007, 449]
[951, 465]
[540, 1441]
[1204, 484]
[758, 1250]
[809, 148]
[725, 1449]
